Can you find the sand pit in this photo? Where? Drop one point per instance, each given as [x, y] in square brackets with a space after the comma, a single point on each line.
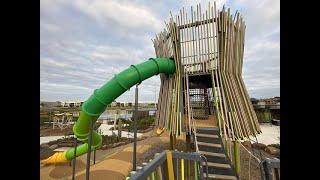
[270, 134]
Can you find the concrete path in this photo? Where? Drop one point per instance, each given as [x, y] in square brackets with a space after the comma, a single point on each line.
[46, 139]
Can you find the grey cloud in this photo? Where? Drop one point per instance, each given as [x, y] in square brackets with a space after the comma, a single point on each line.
[81, 47]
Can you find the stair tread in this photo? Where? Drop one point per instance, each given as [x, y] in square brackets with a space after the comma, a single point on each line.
[209, 144]
[212, 154]
[219, 165]
[207, 135]
[218, 176]
[208, 128]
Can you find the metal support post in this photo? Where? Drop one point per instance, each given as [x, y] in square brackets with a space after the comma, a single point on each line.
[134, 163]
[74, 159]
[94, 156]
[89, 150]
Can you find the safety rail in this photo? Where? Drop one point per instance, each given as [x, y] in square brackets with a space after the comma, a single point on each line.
[252, 167]
[195, 136]
[166, 166]
[270, 169]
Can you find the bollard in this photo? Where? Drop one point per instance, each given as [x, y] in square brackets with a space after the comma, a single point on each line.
[237, 157]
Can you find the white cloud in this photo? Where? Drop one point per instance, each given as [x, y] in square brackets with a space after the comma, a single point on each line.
[125, 13]
[51, 62]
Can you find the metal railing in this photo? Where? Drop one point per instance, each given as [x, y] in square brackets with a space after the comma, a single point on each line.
[270, 169]
[195, 136]
[157, 167]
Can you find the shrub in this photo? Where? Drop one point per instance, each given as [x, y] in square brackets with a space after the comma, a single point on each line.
[275, 145]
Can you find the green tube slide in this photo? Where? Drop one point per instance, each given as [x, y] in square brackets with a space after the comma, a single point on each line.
[93, 107]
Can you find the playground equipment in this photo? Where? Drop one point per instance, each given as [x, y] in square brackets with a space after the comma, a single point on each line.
[97, 103]
[208, 49]
[62, 120]
[159, 131]
[202, 79]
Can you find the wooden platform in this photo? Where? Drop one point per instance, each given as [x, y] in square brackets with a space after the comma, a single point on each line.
[211, 122]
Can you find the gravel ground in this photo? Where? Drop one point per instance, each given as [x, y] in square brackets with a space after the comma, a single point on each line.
[250, 168]
[252, 172]
[180, 146]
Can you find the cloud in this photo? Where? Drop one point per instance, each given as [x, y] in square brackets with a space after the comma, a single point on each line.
[261, 71]
[124, 13]
[84, 43]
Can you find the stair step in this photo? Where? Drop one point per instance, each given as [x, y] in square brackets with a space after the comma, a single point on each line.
[210, 144]
[218, 165]
[213, 131]
[209, 140]
[216, 159]
[218, 176]
[221, 171]
[212, 154]
[210, 149]
[207, 135]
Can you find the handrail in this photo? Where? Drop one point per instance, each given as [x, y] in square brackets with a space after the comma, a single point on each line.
[151, 167]
[266, 167]
[195, 136]
[259, 161]
[206, 161]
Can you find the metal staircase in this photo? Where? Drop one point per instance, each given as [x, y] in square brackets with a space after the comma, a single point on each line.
[210, 145]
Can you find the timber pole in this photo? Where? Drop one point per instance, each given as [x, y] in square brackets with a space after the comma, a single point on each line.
[237, 156]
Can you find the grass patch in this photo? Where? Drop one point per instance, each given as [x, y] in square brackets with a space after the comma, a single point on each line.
[142, 124]
[264, 116]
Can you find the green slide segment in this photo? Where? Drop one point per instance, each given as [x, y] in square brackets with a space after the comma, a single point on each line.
[93, 107]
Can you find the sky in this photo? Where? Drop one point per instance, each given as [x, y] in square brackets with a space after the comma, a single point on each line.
[84, 43]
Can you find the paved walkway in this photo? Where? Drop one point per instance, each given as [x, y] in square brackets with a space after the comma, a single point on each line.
[113, 164]
[47, 139]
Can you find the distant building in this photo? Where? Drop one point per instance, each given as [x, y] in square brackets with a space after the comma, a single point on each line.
[127, 104]
[271, 101]
[267, 103]
[254, 101]
[70, 103]
[114, 104]
[48, 104]
[267, 106]
[261, 104]
[75, 113]
[143, 104]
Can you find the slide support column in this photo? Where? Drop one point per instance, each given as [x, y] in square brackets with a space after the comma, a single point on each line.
[134, 163]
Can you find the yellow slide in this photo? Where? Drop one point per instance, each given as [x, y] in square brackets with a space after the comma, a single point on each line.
[57, 158]
[160, 131]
